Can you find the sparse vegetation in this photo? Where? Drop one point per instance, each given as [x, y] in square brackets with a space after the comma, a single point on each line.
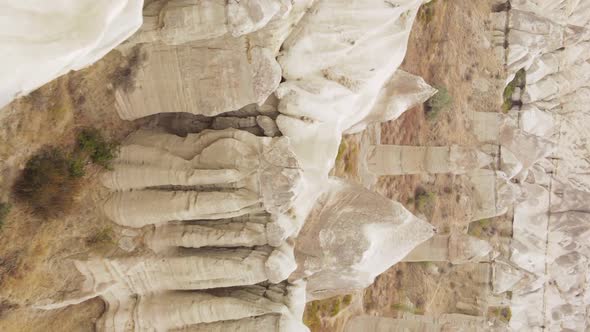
[481, 228]
[10, 266]
[6, 306]
[4, 211]
[93, 145]
[103, 236]
[347, 157]
[440, 102]
[124, 76]
[519, 81]
[347, 300]
[504, 314]
[331, 307]
[407, 308]
[50, 179]
[424, 200]
[47, 184]
[426, 12]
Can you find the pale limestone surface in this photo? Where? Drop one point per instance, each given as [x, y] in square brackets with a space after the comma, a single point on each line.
[550, 41]
[351, 236]
[493, 193]
[337, 86]
[456, 248]
[226, 208]
[401, 160]
[213, 56]
[180, 21]
[401, 93]
[209, 310]
[43, 40]
[418, 323]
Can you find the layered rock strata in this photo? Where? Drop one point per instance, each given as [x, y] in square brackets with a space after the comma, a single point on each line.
[241, 229]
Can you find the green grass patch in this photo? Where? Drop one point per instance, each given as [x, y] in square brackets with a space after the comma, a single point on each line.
[407, 308]
[316, 310]
[442, 101]
[92, 144]
[347, 300]
[519, 81]
[425, 201]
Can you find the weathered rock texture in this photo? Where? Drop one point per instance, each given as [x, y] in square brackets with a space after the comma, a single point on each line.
[351, 236]
[241, 229]
[401, 160]
[215, 56]
[42, 41]
[331, 85]
[220, 209]
[547, 45]
[410, 322]
[456, 248]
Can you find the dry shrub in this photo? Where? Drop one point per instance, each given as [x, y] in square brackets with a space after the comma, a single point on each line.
[103, 236]
[48, 184]
[91, 144]
[4, 211]
[124, 77]
[441, 101]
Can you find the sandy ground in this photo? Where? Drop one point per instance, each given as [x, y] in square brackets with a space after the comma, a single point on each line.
[451, 50]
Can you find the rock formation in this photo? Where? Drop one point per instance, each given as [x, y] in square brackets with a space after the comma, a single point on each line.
[547, 50]
[351, 236]
[220, 209]
[447, 322]
[401, 160]
[456, 248]
[217, 56]
[493, 193]
[42, 41]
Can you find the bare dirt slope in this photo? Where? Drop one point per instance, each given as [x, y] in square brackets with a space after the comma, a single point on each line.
[449, 47]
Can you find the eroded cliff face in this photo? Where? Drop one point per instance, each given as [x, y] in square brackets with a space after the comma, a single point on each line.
[547, 51]
[240, 229]
[43, 41]
[237, 227]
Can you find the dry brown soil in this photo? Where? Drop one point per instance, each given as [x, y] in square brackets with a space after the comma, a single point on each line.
[36, 254]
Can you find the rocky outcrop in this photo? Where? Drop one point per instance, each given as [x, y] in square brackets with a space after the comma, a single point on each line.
[456, 248]
[336, 86]
[547, 48]
[237, 226]
[401, 160]
[42, 41]
[411, 322]
[203, 247]
[215, 56]
[351, 236]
